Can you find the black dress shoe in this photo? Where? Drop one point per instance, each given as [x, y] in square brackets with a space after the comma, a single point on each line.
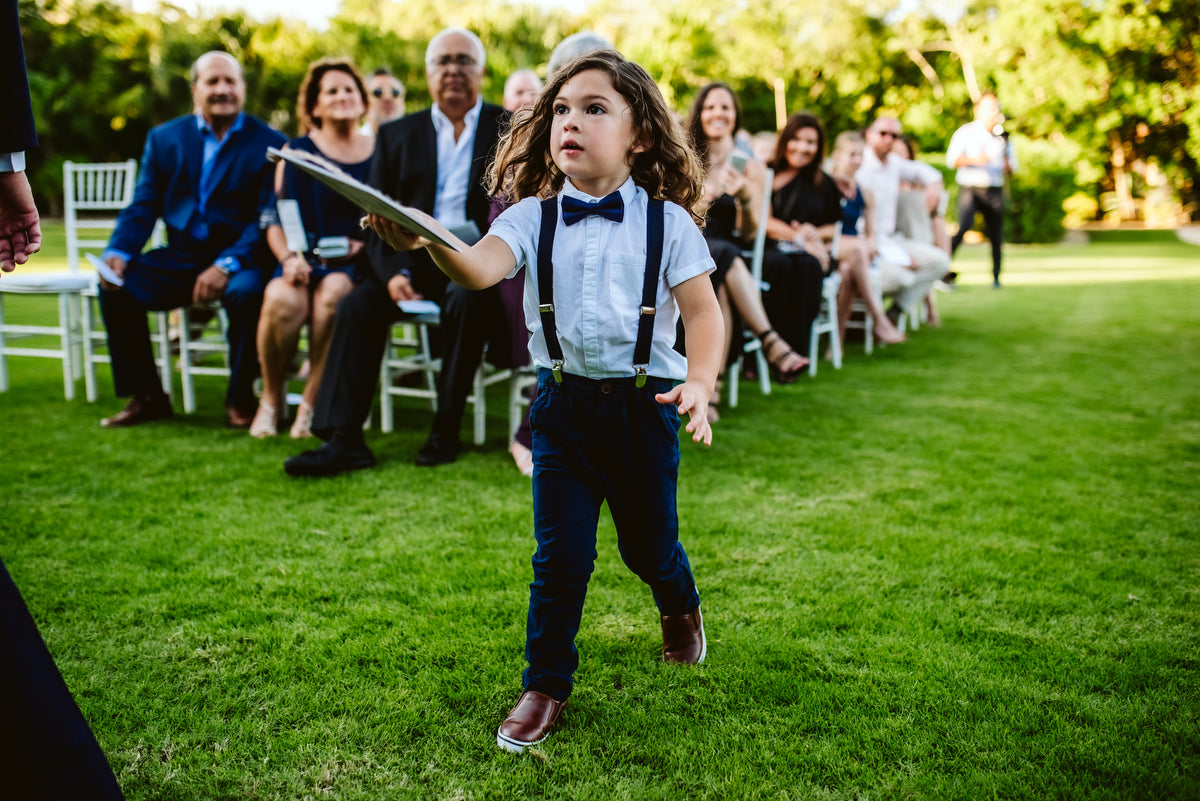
[894, 312]
[140, 410]
[437, 450]
[330, 459]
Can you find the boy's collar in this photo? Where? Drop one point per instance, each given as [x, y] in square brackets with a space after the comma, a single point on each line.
[628, 191]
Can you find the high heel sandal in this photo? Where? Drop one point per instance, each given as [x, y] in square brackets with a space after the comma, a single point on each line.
[302, 427]
[714, 403]
[786, 364]
[266, 421]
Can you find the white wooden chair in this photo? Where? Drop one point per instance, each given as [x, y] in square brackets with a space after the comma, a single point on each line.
[752, 344]
[826, 324]
[408, 351]
[93, 194]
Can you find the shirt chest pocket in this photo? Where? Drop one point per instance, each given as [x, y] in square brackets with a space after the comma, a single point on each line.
[626, 273]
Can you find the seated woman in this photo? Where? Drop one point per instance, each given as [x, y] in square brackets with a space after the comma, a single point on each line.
[733, 191]
[807, 217]
[855, 251]
[804, 204]
[309, 285]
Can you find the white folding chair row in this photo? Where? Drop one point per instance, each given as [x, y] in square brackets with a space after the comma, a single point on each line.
[408, 351]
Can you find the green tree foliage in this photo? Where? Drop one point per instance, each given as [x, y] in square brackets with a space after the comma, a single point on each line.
[1112, 83]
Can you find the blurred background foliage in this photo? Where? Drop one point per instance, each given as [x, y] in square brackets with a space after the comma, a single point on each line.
[1102, 97]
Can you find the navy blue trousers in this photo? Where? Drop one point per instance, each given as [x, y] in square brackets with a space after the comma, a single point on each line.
[597, 441]
[163, 279]
[47, 751]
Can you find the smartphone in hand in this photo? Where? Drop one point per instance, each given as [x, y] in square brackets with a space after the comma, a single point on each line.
[737, 160]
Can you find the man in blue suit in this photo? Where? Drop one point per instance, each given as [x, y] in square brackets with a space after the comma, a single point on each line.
[207, 176]
[20, 229]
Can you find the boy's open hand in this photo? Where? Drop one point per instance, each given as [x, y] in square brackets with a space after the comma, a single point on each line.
[692, 401]
[394, 235]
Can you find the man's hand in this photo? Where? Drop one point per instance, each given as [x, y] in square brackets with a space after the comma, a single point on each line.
[210, 286]
[20, 230]
[401, 288]
[118, 266]
[692, 401]
[296, 270]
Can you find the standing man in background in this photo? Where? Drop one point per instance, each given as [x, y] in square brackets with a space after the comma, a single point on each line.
[984, 158]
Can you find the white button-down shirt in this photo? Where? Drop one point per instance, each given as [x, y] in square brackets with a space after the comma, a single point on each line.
[883, 179]
[971, 140]
[599, 266]
[453, 165]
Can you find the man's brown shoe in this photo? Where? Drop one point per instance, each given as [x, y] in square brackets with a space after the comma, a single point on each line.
[140, 410]
[529, 722]
[683, 638]
[238, 418]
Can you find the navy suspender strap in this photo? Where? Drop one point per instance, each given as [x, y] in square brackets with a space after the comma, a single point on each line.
[654, 251]
[545, 259]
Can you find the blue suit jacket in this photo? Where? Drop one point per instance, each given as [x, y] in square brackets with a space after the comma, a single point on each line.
[167, 187]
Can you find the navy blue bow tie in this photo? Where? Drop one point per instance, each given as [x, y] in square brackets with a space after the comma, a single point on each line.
[610, 208]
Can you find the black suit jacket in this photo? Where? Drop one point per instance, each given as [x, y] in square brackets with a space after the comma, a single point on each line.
[405, 167]
[17, 132]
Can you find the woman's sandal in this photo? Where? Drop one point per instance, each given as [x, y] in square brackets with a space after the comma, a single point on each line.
[785, 363]
[266, 421]
[302, 427]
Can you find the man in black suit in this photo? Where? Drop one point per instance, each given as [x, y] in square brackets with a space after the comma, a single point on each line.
[207, 176]
[47, 751]
[434, 160]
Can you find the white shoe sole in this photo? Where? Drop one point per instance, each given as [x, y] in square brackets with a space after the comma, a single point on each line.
[513, 746]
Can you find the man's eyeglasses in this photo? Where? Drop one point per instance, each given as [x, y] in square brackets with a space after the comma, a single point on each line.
[378, 92]
[461, 60]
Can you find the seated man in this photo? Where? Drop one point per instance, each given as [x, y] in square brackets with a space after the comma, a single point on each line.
[434, 160]
[207, 175]
[908, 267]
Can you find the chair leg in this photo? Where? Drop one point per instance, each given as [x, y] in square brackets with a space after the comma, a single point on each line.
[89, 349]
[480, 407]
[163, 334]
[764, 371]
[185, 362]
[3, 350]
[385, 384]
[64, 336]
[733, 374]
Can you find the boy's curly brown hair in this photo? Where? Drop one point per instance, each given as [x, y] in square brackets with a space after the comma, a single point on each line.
[667, 169]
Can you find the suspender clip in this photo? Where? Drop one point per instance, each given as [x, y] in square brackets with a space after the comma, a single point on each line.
[556, 368]
[546, 308]
[648, 310]
[640, 381]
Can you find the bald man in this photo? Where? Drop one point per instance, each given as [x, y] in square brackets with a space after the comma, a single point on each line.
[207, 176]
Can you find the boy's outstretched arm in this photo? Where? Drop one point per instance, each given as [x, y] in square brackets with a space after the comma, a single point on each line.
[705, 332]
[476, 267]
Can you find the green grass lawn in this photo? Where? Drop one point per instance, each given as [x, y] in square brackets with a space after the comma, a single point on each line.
[965, 567]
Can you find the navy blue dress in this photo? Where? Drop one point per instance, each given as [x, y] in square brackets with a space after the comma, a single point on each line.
[325, 213]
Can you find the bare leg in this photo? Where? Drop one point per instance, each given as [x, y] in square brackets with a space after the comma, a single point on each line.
[747, 299]
[853, 264]
[284, 309]
[328, 295]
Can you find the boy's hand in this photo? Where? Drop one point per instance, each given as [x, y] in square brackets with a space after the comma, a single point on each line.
[693, 401]
[394, 235]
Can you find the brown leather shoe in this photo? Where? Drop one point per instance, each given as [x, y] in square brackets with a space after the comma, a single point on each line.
[140, 410]
[683, 638]
[238, 418]
[529, 722]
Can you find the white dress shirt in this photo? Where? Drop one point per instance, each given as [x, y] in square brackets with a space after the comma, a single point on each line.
[598, 271]
[883, 179]
[971, 140]
[453, 165]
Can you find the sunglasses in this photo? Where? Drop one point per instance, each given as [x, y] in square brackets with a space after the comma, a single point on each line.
[379, 92]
